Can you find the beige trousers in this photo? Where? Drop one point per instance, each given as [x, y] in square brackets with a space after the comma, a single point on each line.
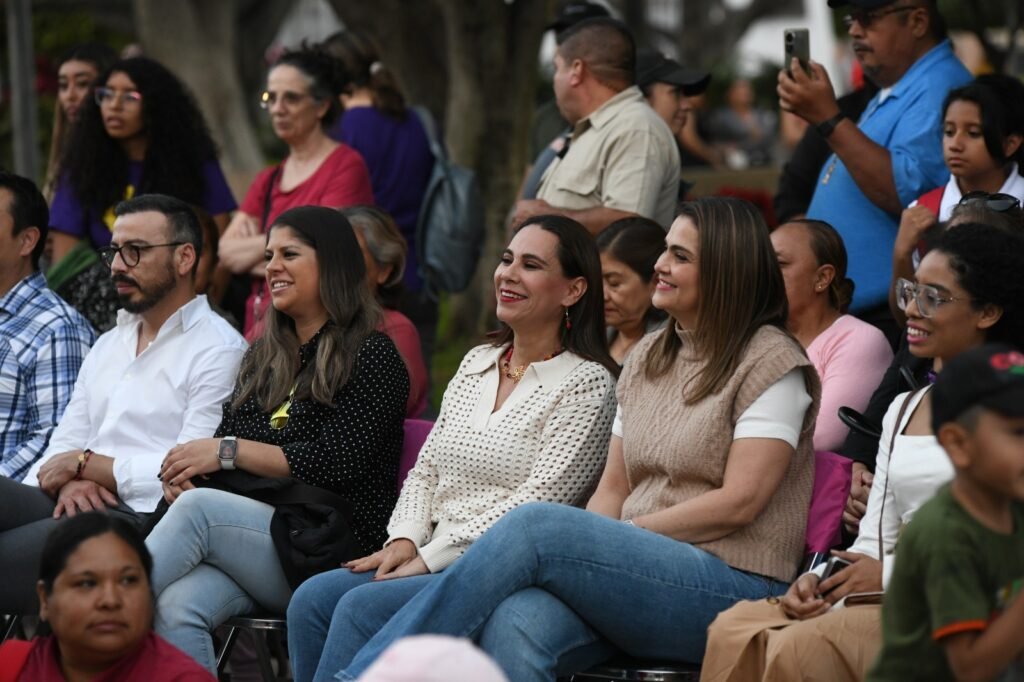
[755, 641]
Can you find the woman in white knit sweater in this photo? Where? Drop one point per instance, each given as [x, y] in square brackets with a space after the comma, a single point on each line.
[526, 418]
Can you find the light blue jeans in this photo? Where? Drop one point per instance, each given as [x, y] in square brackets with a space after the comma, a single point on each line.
[213, 558]
[550, 589]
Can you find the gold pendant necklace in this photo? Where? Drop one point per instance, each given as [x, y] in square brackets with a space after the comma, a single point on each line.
[516, 374]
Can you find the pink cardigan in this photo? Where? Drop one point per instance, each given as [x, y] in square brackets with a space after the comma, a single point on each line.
[851, 356]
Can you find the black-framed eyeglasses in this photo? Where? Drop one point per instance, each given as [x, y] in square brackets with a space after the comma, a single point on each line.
[127, 98]
[130, 253]
[290, 99]
[927, 297]
[866, 17]
[998, 202]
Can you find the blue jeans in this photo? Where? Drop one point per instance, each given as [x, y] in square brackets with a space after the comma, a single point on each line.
[213, 558]
[332, 615]
[550, 584]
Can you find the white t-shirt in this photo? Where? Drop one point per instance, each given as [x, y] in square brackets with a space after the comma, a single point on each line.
[776, 413]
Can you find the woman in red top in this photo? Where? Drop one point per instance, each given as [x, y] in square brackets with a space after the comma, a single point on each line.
[302, 100]
[94, 593]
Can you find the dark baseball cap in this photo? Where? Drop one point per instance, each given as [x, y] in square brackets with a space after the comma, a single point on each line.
[654, 67]
[990, 376]
[572, 13]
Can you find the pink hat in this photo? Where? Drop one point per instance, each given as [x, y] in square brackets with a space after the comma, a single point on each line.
[433, 658]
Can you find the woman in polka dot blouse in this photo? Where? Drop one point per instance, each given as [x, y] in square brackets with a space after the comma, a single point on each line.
[320, 397]
[526, 418]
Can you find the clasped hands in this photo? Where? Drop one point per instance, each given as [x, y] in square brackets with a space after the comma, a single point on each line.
[56, 479]
[809, 596]
[399, 559]
[186, 461]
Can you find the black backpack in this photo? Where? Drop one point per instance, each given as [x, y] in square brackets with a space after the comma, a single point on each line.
[450, 228]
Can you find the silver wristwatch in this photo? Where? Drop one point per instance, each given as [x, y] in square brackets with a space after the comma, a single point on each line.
[227, 452]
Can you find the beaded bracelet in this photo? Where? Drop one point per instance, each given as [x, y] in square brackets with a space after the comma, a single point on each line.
[83, 459]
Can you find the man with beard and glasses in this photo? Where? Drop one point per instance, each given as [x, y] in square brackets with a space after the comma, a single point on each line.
[893, 154]
[155, 380]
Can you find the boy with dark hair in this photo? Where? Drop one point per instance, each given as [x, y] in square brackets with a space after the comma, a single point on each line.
[952, 609]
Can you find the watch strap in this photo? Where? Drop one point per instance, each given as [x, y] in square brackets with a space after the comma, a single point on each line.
[826, 128]
[227, 452]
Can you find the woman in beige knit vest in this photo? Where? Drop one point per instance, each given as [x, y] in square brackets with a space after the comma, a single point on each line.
[703, 501]
[967, 291]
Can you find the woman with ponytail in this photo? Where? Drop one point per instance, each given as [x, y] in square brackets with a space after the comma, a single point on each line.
[850, 355]
[377, 123]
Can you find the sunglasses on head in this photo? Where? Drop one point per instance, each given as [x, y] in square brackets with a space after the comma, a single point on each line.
[997, 202]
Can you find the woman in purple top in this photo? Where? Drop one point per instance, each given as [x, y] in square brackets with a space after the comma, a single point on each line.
[142, 132]
[391, 139]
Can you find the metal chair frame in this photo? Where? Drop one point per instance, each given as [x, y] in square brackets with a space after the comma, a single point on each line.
[262, 626]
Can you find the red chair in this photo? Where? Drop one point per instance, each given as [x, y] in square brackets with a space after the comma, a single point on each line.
[416, 432]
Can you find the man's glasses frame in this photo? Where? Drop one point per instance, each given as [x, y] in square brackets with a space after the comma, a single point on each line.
[866, 17]
[130, 253]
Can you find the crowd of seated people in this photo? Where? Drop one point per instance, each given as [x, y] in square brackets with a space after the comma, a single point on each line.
[624, 466]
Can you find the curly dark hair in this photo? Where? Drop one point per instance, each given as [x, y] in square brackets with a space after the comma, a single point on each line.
[178, 142]
[987, 261]
[327, 75]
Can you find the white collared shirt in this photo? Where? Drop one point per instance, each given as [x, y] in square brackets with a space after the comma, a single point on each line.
[134, 408]
[1014, 186]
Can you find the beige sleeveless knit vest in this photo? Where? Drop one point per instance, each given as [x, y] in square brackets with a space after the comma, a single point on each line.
[675, 452]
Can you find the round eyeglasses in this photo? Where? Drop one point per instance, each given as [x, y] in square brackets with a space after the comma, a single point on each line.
[927, 298]
[130, 253]
[288, 98]
[127, 98]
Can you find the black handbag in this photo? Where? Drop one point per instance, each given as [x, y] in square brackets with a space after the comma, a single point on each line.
[311, 527]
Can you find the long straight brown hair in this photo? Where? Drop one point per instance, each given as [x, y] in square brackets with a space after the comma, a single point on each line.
[740, 289]
[270, 367]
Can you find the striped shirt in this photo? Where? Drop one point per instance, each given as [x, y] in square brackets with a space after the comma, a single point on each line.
[43, 342]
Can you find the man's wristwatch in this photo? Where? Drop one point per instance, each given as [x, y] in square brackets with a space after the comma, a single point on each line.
[227, 452]
[826, 128]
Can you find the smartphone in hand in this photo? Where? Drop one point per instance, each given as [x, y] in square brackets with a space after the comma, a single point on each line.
[797, 43]
[833, 566]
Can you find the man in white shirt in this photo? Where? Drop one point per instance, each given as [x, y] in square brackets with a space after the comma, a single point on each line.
[157, 379]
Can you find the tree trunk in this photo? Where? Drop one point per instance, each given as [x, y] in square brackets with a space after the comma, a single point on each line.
[197, 40]
[411, 39]
[492, 53]
[475, 61]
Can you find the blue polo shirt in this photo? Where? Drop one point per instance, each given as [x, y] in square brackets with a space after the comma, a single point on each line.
[908, 122]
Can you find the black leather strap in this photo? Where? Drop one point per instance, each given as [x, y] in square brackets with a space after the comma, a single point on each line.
[826, 128]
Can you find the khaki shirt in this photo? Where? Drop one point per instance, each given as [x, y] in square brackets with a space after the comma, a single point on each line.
[622, 156]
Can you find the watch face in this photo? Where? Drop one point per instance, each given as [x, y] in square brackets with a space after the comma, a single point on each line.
[228, 449]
